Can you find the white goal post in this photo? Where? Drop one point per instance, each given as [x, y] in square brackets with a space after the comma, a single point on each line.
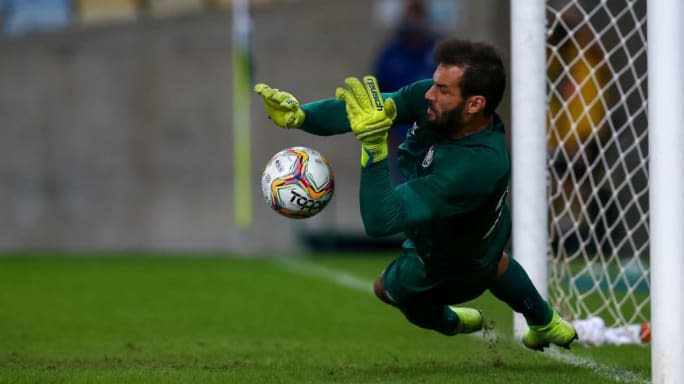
[598, 163]
[666, 146]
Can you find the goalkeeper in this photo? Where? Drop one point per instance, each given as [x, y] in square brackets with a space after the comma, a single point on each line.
[453, 206]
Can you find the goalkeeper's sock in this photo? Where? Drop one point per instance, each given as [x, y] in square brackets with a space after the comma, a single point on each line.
[515, 288]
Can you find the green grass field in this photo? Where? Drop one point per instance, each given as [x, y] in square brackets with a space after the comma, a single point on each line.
[127, 318]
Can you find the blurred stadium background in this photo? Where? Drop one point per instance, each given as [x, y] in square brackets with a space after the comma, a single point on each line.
[117, 116]
[116, 129]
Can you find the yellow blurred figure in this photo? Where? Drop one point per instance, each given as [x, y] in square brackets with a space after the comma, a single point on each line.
[578, 103]
[106, 11]
[577, 121]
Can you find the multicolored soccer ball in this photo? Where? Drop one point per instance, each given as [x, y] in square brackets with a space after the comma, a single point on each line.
[298, 182]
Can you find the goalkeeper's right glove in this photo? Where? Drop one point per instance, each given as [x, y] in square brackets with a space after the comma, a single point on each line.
[370, 117]
[281, 107]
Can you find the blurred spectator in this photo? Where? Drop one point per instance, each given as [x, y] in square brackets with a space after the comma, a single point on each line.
[578, 117]
[404, 59]
[407, 56]
[23, 16]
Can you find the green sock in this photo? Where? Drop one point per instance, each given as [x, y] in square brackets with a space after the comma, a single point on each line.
[515, 288]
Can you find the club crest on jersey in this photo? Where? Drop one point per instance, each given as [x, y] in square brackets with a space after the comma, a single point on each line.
[413, 129]
[427, 160]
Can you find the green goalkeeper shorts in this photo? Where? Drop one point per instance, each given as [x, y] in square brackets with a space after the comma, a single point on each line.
[407, 281]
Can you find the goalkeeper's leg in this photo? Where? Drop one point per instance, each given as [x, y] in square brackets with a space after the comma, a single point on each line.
[445, 319]
[514, 287]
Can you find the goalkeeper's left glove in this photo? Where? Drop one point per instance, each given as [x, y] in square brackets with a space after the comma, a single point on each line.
[281, 107]
[369, 116]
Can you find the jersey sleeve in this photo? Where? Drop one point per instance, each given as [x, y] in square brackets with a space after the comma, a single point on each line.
[448, 189]
[325, 117]
[410, 102]
[328, 116]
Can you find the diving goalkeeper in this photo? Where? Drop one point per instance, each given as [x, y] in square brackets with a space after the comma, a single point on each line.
[452, 207]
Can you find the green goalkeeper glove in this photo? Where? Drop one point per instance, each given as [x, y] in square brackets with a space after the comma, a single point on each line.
[369, 116]
[281, 107]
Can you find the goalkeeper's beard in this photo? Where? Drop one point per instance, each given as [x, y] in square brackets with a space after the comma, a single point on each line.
[450, 121]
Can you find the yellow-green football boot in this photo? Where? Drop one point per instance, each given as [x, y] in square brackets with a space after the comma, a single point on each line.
[557, 331]
[471, 319]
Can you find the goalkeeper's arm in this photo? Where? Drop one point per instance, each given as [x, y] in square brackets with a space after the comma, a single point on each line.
[324, 117]
[328, 116]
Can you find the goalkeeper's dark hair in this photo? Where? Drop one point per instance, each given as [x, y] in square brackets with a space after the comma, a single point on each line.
[484, 73]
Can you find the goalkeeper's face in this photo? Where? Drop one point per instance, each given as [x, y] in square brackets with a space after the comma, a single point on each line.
[446, 103]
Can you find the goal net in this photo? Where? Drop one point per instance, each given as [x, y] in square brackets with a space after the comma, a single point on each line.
[598, 159]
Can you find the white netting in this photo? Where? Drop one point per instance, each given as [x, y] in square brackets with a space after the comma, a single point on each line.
[598, 159]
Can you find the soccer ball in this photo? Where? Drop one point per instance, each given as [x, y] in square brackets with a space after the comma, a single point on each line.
[297, 182]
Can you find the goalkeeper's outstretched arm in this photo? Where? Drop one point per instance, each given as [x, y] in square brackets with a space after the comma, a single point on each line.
[328, 116]
[324, 117]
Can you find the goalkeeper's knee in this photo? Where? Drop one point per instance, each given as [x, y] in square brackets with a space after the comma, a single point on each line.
[381, 292]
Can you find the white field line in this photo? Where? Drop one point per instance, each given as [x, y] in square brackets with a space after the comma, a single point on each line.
[339, 277]
[350, 281]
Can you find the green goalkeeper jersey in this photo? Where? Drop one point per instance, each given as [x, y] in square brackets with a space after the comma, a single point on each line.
[453, 206]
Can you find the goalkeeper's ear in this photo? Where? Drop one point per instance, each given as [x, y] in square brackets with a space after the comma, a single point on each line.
[475, 104]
